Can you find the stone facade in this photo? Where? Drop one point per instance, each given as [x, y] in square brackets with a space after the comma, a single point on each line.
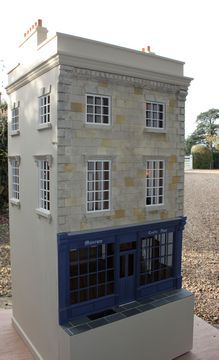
[126, 142]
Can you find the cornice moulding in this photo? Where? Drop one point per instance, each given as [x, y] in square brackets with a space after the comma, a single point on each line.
[34, 73]
[115, 71]
[92, 69]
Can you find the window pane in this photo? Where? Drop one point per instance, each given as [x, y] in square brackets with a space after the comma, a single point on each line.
[90, 99]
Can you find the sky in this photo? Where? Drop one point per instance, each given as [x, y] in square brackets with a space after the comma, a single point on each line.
[185, 30]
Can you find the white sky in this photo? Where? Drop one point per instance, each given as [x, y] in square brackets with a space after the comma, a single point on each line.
[185, 30]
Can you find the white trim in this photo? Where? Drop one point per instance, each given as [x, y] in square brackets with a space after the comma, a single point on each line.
[15, 132]
[44, 213]
[25, 338]
[15, 202]
[155, 130]
[44, 126]
[14, 157]
[46, 157]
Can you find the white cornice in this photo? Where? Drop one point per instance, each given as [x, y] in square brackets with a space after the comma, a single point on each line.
[33, 73]
[87, 68]
[116, 72]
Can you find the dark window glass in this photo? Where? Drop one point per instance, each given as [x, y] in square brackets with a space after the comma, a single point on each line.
[88, 276]
[156, 258]
[122, 266]
[84, 295]
[128, 246]
[130, 264]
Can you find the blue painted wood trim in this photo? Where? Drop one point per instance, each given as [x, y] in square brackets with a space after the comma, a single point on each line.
[117, 235]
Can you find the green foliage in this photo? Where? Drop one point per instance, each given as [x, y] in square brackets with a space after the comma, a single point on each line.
[3, 156]
[202, 157]
[206, 127]
[191, 140]
[216, 159]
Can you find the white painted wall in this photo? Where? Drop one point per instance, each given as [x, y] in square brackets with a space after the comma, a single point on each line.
[158, 334]
[33, 239]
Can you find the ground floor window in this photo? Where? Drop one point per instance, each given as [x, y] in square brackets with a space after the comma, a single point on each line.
[91, 272]
[156, 258]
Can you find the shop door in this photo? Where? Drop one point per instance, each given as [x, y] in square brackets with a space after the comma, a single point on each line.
[127, 272]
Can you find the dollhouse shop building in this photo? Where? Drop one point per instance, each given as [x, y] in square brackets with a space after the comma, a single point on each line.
[96, 172]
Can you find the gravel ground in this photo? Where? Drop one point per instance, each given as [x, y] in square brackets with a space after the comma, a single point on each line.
[200, 263]
[5, 266]
[201, 242]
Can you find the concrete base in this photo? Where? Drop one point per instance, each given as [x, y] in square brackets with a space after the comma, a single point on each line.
[161, 333]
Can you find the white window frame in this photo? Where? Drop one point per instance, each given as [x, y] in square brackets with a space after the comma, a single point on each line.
[15, 174]
[44, 185]
[15, 117]
[154, 189]
[92, 193]
[44, 163]
[15, 179]
[101, 108]
[45, 111]
[154, 123]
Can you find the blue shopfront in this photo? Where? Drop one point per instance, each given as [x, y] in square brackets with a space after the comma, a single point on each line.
[108, 267]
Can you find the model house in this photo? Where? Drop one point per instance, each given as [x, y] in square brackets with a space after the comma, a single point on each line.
[96, 172]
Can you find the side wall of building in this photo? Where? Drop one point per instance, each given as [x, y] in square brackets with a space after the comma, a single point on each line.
[126, 142]
[33, 237]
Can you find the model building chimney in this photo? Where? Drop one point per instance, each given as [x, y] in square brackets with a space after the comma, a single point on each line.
[35, 34]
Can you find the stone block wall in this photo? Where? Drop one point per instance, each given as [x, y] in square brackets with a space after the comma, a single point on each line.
[126, 142]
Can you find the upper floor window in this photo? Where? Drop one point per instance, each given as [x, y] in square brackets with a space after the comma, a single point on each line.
[15, 119]
[44, 107]
[97, 109]
[155, 115]
[44, 185]
[98, 185]
[15, 179]
[154, 182]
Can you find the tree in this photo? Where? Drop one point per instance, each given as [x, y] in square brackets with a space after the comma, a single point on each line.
[191, 140]
[3, 155]
[205, 132]
[206, 127]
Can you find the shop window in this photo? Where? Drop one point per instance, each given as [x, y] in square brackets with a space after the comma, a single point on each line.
[156, 258]
[91, 272]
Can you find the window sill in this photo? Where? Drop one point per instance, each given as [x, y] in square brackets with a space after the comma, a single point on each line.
[98, 214]
[15, 132]
[44, 126]
[155, 130]
[44, 213]
[15, 202]
[149, 208]
[97, 126]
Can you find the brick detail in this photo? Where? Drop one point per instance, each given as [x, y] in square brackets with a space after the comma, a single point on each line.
[139, 214]
[103, 84]
[120, 119]
[77, 107]
[164, 214]
[129, 181]
[69, 167]
[119, 214]
[138, 91]
[175, 179]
